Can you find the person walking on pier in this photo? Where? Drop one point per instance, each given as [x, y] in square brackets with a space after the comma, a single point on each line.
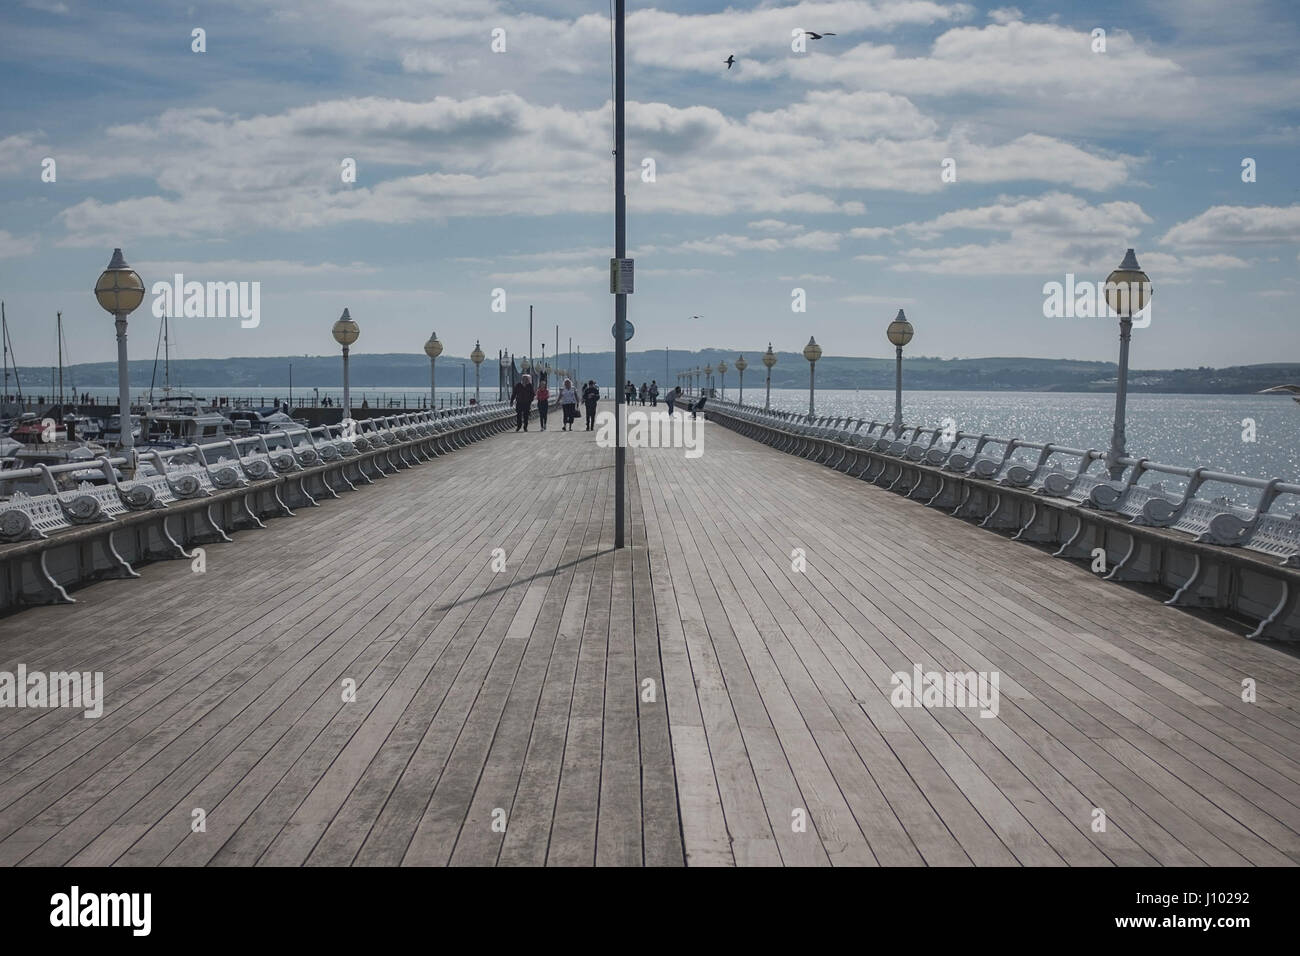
[590, 396]
[645, 392]
[543, 403]
[523, 399]
[568, 404]
[654, 394]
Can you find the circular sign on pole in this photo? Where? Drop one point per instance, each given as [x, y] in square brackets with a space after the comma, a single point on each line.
[613, 330]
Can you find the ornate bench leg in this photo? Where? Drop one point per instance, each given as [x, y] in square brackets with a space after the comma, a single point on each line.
[212, 522]
[1273, 626]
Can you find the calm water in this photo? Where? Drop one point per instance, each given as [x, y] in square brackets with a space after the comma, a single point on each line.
[1187, 430]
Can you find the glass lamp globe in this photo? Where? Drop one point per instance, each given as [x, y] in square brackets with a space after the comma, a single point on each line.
[769, 357]
[1127, 289]
[433, 348]
[900, 330]
[345, 331]
[812, 351]
[119, 289]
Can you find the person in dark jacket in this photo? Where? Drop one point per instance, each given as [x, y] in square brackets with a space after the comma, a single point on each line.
[523, 398]
[590, 396]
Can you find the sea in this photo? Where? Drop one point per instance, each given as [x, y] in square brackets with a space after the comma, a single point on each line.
[1257, 436]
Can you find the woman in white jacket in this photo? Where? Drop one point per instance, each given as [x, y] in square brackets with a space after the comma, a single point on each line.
[569, 403]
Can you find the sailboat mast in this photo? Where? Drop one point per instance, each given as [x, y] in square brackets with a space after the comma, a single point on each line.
[59, 326]
[4, 334]
[167, 361]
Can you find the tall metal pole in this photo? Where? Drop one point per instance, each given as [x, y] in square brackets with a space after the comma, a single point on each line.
[59, 320]
[812, 388]
[620, 300]
[347, 388]
[433, 380]
[1117, 438]
[530, 340]
[125, 438]
[898, 391]
[4, 335]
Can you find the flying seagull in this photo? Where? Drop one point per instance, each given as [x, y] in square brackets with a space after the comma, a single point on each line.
[1293, 389]
[816, 36]
[730, 60]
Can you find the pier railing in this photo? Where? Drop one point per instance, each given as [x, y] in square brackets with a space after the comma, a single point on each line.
[1238, 550]
[167, 500]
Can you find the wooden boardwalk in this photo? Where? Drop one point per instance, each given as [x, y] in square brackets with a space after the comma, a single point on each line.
[693, 698]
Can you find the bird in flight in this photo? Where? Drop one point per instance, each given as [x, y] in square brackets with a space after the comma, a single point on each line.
[696, 317]
[816, 36]
[730, 60]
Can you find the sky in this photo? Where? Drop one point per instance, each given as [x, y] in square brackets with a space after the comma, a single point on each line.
[948, 159]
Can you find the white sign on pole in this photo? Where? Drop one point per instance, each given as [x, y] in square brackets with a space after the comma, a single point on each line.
[620, 276]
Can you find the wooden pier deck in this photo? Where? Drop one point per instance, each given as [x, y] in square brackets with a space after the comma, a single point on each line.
[504, 717]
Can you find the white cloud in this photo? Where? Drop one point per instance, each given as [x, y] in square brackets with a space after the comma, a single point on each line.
[1234, 225]
[13, 246]
[251, 267]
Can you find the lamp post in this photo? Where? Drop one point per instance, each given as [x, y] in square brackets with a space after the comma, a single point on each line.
[1128, 290]
[741, 365]
[120, 290]
[433, 348]
[722, 374]
[812, 352]
[476, 357]
[899, 333]
[769, 359]
[345, 332]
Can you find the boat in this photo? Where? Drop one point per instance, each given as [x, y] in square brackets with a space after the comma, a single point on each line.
[259, 421]
[183, 420]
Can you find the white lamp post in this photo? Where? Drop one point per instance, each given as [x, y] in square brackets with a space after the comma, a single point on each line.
[812, 352]
[899, 333]
[433, 348]
[769, 359]
[477, 358]
[1127, 290]
[120, 290]
[741, 365]
[345, 332]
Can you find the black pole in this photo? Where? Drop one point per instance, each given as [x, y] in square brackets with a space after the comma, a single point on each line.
[620, 300]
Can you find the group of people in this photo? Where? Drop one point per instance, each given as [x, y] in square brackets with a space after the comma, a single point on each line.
[648, 393]
[525, 394]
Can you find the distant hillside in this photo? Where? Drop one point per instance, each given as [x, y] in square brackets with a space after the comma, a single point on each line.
[791, 371]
